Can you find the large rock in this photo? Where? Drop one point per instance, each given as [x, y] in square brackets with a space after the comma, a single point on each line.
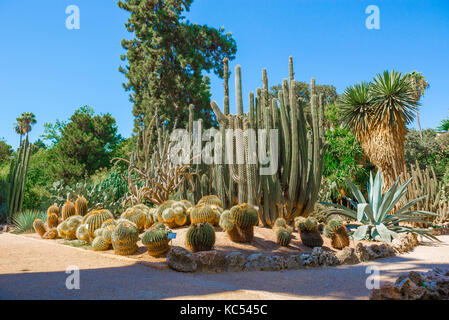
[294, 262]
[210, 261]
[377, 251]
[260, 262]
[347, 256]
[235, 261]
[405, 242]
[182, 260]
[319, 257]
[361, 252]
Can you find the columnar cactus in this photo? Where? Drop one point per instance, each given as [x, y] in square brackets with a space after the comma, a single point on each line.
[52, 220]
[124, 238]
[94, 220]
[53, 209]
[156, 240]
[337, 232]
[200, 237]
[81, 206]
[308, 230]
[39, 227]
[239, 222]
[68, 210]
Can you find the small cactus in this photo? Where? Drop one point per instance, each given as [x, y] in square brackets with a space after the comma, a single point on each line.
[308, 230]
[39, 227]
[202, 213]
[337, 232]
[72, 225]
[124, 238]
[200, 237]
[100, 244]
[52, 220]
[53, 209]
[156, 240]
[68, 210]
[51, 234]
[81, 206]
[283, 232]
[211, 201]
[239, 222]
[94, 220]
[81, 233]
[137, 215]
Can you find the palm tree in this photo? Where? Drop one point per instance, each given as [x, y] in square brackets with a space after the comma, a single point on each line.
[421, 85]
[24, 123]
[444, 126]
[378, 114]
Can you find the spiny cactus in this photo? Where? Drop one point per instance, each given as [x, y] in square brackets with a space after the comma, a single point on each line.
[53, 209]
[160, 209]
[39, 227]
[81, 233]
[283, 232]
[308, 231]
[200, 237]
[72, 224]
[100, 244]
[94, 220]
[124, 238]
[68, 210]
[52, 220]
[136, 215]
[62, 229]
[156, 240]
[51, 234]
[210, 200]
[106, 234]
[337, 232]
[151, 218]
[292, 190]
[108, 222]
[202, 213]
[81, 206]
[239, 222]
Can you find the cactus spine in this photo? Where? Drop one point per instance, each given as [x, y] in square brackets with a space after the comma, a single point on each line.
[68, 210]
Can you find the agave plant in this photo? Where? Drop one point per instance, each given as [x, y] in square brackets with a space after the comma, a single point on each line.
[23, 221]
[376, 215]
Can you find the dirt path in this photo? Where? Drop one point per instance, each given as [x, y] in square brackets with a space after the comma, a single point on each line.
[35, 269]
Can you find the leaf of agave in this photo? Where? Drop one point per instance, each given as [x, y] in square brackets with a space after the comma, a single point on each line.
[360, 232]
[355, 191]
[354, 204]
[341, 211]
[410, 204]
[388, 196]
[383, 232]
[376, 194]
[361, 211]
[397, 196]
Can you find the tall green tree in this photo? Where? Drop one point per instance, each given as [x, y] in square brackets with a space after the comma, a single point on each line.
[5, 151]
[166, 60]
[24, 124]
[84, 144]
[421, 85]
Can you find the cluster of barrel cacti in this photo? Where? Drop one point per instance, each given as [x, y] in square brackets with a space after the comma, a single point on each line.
[174, 213]
[156, 240]
[239, 222]
[336, 230]
[283, 232]
[308, 231]
[291, 190]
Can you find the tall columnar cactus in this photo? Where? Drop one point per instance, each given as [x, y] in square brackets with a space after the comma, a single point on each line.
[200, 237]
[292, 188]
[81, 206]
[239, 222]
[16, 180]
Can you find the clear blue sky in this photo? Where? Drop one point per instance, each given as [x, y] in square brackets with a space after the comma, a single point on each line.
[51, 71]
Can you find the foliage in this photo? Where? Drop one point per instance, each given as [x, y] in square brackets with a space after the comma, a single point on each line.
[303, 90]
[84, 144]
[444, 126]
[166, 60]
[5, 151]
[376, 215]
[23, 221]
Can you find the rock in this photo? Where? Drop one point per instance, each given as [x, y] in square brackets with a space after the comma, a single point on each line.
[278, 260]
[319, 257]
[376, 251]
[386, 292]
[235, 261]
[294, 262]
[361, 252]
[347, 256]
[182, 260]
[210, 261]
[260, 262]
[410, 291]
[405, 242]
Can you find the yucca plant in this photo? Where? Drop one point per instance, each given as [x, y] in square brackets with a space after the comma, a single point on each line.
[376, 215]
[23, 222]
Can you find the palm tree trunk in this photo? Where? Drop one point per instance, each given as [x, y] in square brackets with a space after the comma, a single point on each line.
[419, 123]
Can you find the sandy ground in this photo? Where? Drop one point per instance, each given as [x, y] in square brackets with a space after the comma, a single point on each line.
[35, 269]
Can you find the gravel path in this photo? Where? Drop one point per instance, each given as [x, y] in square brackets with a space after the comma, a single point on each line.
[36, 269]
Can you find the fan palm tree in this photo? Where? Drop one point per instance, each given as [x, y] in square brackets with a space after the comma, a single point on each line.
[24, 124]
[444, 126]
[378, 114]
[421, 85]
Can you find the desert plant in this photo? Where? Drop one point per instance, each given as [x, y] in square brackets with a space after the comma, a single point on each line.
[210, 200]
[202, 213]
[68, 210]
[283, 232]
[200, 237]
[308, 231]
[156, 241]
[51, 234]
[81, 233]
[53, 209]
[239, 222]
[81, 206]
[100, 244]
[23, 222]
[136, 215]
[338, 233]
[52, 220]
[376, 215]
[94, 220]
[124, 238]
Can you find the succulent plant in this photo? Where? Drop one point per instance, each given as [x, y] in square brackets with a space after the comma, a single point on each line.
[72, 224]
[62, 229]
[124, 238]
[151, 218]
[156, 240]
[39, 227]
[94, 220]
[200, 237]
[161, 208]
[239, 222]
[136, 214]
[283, 232]
[100, 244]
[109, 222]
[51, 234]
[81, 206]
[68, 210]
[81, 233]
[337, 232]
[308, 231]
[106, 234]
[53, 209]
[52, 220]
[210, 200]
[202, 213]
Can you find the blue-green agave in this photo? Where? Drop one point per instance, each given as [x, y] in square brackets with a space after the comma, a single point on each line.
[375, 213]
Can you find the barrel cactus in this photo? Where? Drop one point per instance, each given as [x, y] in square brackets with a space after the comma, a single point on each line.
[81, 233]
[337, 232]
[68, 210]
[162, 207]
[202, 213]
[52, 220]
[156, 240]
[150, 218]
[137, 215]
[72, 224]
[81, 206]
[94, 219]
[239, 222]
[62, 229]
[51, 234]
[100, 244]
[210, 200]
[53, 209]
[308, 230]
[200, 237]
[124, 238]
[283, 232]
[39, 227]
[106, 233]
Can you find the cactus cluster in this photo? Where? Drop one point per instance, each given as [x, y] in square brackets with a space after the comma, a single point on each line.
[68, 228]
[81, 206]
[200, 237]
[68, 210]
[156, 240]
[239, 222]
[136, 214]
[173, 213]
[337, 232]
[94, 220]
[283, 232]
[308, 231]
[292, 190]
[124, 238]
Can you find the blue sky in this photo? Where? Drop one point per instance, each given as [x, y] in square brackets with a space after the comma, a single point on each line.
[50, 70]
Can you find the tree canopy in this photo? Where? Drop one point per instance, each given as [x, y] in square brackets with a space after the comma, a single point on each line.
[166, 60]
